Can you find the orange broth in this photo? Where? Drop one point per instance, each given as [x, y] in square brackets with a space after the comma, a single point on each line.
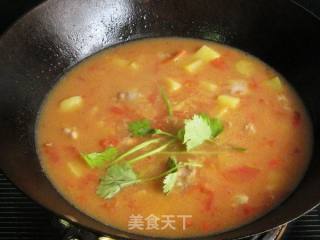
[247, 170]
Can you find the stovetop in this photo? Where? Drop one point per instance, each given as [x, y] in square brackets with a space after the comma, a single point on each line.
[23, 219]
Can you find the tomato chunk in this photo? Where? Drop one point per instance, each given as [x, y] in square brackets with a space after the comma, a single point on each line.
[274, 163]
[118, 110]
[219, 63]
[296, 119]
[52, 154]
[242, 173]
[107, 142]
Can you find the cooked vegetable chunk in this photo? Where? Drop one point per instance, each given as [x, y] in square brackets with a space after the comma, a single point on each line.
[71, 104]
[228, 101]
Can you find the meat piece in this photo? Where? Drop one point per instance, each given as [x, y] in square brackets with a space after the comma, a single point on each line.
[128, 96]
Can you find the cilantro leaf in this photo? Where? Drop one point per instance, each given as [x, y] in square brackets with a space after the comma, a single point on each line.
[180, 134]
[169, 182]
[215, 124]
[199, 129]
[174, 172]
[196, 131]
[140, 127]
[117, 177]
[170, 179]
[97, 159]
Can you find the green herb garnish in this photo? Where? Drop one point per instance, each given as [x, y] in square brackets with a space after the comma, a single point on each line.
[215, 124]
[117, 177]
[167, 102]
[170, 180]
[174, 167]
[199, 129]
[196, 131]
[120, 176]
[97, 159]
[140, 127]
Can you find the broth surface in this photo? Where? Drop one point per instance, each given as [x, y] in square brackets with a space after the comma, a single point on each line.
[243, 173]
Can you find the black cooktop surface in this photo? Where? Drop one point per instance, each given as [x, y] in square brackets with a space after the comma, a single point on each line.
[21, 218]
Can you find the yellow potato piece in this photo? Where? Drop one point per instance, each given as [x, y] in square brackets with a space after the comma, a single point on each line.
[240, 199]
[194, 66]
[245, 67]
[71, 104]
[134, 66]
[275, 83]
[172, 84]
[75, 169]
[120, 62]
[228, 101]
[208, 86]
[206, 54]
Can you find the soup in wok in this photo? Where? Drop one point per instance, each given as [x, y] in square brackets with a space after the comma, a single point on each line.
[174, 137]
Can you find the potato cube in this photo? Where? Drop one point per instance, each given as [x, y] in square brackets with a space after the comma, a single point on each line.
[71, 104]
[245, 67]
[208, 86]
[275, 83]
[206, 54]
[228, 101]
[194, 66]
[134, 66]
[75, 168]
[241, 199]
[172, 84]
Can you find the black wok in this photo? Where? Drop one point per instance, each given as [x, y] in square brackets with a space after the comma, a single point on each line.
[57, 34]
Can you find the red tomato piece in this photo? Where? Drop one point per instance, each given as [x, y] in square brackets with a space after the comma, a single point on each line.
[296, 119]
[270, 142]
[118, 110]
[152, 98]
[248, 210]
[179, 114]
[241, 174]
[72, 151]
[90, 178]
[176, 56]
[189, 222]
[107, 142]
[93, 68]
[52, 154]
[205, 227]
[208, 202]
[132, 205]
[253, 85]
[219, 63]
[274, 163]
[124, 112]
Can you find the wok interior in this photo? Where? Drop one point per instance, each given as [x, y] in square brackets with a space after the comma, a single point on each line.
[58, 34]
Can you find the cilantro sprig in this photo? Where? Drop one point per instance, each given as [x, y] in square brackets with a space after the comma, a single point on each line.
[170, 180]
[167, 102]
[195, 131]
[97, 159]
[199, 129]
[116, 178]
[119, 166]
[120, 176]
[140, 127]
